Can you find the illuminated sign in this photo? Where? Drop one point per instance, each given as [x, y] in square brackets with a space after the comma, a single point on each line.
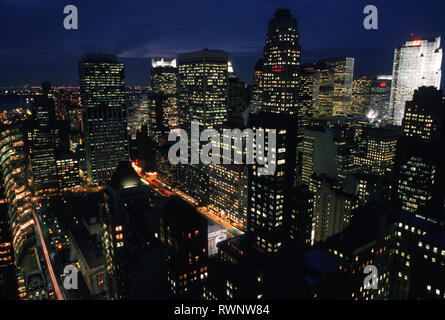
[277, 68]
[414, 43]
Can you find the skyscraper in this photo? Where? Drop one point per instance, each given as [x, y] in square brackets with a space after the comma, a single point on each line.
[202, 88]
[124, 230]
[202, 97]
[377, 150]
[102, 87]
[419, 166]
[333, 208]
[257, 87]
[270, 196]
[236, 97]
[336, 77]
[282, 54]
[184, 232]
[417, 63]
[164, 76]
[43, 139]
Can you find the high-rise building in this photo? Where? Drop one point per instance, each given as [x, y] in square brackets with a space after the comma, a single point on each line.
[102, 88]
[184, 233]
[379, 97]
[377, 150]
[368, 240]
[333, 208]
[43, 140]
[257, 87]
[308, 102]
[336, 77]
[228, 192]
[419, 169]
[282, 54]
[16, 176]
[202, 97]
[164, 75]
[236, 97]
[417, 63]
[325, 151]
[308, 93]
[124, 230]
[202, 88]
[361, 88]
[270, 196]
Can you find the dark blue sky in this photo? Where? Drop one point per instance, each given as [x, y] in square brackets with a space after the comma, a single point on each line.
[34, 46]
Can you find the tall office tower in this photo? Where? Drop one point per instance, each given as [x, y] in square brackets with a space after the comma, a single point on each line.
[202, 97]
[301, 217]
[419, 169]
[202, 88]
[236, 97]
[309, 91]
[361, 88]
[379, 97]
[270, 196]
[308, 103]
[43, 140]
[417, 63]
[336, 76]
[164, 76]
[102, 88]
[157, 121]
[377, 150]
[124, 231]
[257, 87]
[333, 208]
[184, 232]
[325, 151]
[281, 64]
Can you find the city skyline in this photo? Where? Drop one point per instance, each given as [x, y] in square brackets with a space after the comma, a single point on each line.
[103, 195]
[168, 29]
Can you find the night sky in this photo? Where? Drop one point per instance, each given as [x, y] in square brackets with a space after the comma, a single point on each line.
[35, 47]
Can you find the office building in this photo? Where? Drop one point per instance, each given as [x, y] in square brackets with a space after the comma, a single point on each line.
[270, 196]
[164, 76]
[417, 63]
[281, 67]
[102, 88]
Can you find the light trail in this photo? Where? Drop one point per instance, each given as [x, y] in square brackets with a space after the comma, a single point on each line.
[59, 294]
[152, 180]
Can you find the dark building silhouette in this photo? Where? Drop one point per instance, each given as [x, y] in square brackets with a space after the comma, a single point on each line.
[184, 233]
[419, 169]
[124, 231]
